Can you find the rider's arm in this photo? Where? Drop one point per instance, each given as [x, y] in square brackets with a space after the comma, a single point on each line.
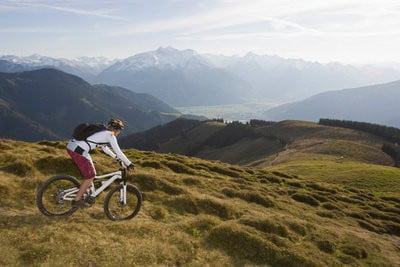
[117, 150]
[109, 152]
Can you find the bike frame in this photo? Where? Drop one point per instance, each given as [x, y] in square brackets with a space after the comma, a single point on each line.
[69, 194]
[104, 184]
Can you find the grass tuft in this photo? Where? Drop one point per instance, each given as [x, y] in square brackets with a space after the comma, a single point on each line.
[250, 196]
[326, 246]
[191, 181]
[332, 214]
[371, 227]
[151, 164]
[305, 198]
[224, 171]
[281, 174]
[356, 252]
[35, 254]
[393, 199]
[242, 243]
[298, 228]
[184, 204]
[266, 225]
[216, 207]
[208, 205]
[4, 145]
[319, 197]
[319, 187]
[18, 167]
[295, 184]
[57, 164]
[392, 228]
[200, 224]
[330, 206]
[157, 212]
[56, 144]
[273, 179]
[148, 182]
[179, 167]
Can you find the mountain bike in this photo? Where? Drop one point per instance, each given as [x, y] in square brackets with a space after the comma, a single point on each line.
[122, 202]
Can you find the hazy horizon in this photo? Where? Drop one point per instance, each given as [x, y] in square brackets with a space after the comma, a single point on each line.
[349, 32]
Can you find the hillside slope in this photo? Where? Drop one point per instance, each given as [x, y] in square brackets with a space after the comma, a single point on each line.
[48, 104]
[266, 145]
[196, 213]
[376, 104]
[152, 138]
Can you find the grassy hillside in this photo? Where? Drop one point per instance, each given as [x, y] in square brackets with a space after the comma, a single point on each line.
[263, 145]
[311, 141]
[197, 212]
[190, 141]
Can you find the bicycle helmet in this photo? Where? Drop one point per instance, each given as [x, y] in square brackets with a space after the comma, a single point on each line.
[115, 124]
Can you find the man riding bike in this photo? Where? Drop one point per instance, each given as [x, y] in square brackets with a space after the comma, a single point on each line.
[79, 152]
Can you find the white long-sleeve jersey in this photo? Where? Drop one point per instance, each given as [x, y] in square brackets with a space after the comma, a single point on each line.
[102, 139]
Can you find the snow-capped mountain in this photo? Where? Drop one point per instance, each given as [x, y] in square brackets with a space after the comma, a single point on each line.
[85, 67]
[162, 58]
[180, 78]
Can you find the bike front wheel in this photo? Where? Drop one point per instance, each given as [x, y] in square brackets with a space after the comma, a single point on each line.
[118, 208]
[55, 195]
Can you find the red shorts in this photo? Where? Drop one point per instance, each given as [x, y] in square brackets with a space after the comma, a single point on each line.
[85, 165]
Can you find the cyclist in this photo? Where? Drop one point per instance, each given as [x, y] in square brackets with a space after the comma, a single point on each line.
[79, 152]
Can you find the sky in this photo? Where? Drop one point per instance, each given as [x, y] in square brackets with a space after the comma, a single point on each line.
[347, 31]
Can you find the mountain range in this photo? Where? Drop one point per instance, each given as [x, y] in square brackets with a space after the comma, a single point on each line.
[187, 78]
[48, 104]
[376, 104]
[180, 78]
[84, 67]
[279, 79]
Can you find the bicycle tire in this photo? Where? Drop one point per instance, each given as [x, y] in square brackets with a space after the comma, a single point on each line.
[112, 198]
[44, 202]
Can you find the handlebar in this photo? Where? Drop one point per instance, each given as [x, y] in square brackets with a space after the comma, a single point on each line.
[123, 165]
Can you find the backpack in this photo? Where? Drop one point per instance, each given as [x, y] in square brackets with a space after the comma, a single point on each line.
[84, 130]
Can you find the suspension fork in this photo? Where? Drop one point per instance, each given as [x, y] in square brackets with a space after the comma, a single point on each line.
[122, 194]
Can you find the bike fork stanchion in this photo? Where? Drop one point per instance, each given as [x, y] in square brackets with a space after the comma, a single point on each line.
[122, 195]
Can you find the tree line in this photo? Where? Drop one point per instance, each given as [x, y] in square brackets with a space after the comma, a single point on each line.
[390, 134]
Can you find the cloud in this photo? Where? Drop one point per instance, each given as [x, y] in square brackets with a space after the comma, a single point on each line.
[50, 5]
[232, 13]
[102, 13]
[46, 30]
[218, 17]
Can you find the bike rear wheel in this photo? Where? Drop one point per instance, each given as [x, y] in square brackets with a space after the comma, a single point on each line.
[55, 195]
[114, 207]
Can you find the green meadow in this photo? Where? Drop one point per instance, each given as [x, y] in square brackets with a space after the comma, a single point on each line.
[311, 212]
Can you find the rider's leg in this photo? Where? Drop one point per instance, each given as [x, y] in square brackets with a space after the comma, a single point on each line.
[86, 167]
[82, 189]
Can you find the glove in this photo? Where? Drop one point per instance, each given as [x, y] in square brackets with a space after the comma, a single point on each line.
[118, 161]
[131, 166]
